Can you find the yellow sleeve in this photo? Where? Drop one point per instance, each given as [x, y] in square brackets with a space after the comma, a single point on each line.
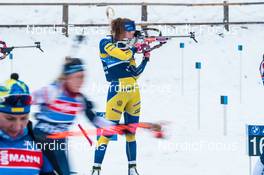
[133, 62]
[114, 51]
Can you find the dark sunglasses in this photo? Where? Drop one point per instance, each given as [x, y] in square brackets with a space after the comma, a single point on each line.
[17, 100]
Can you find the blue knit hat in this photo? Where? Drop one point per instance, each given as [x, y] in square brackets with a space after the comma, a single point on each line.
[15, 97]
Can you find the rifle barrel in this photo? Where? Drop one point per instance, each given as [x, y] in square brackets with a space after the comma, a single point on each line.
[16, 47]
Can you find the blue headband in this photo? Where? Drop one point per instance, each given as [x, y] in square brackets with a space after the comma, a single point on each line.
[75, 65]
[73, 69]
[130, 26]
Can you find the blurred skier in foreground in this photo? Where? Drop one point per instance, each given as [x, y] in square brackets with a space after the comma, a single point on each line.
[59, 103]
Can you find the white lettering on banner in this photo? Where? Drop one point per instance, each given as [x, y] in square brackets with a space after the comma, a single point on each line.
[7, 158]
[24, 158]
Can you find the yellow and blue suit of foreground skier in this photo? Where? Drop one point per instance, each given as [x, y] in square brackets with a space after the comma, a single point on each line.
[123, 93]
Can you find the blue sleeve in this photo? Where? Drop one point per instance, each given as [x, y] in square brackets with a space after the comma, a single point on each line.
[46, 167]
[136, 71]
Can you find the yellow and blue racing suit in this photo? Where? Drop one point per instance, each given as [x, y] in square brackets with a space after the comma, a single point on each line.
[123, 94]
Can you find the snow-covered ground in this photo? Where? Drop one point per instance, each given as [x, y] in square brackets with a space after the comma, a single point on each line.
[186, 150]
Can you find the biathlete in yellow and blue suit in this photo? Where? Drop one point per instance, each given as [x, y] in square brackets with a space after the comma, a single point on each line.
[123, 94]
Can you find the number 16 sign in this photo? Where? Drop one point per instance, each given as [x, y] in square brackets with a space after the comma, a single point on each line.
[255, 139]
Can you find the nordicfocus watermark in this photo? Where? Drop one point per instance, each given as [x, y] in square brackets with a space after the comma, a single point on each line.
[147, 88]
[55, 29]
[63, 146]
[199, 30]
[199, 146]
[166, 29]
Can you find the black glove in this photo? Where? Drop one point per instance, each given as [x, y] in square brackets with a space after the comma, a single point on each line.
[137, 33]
[88, 106]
